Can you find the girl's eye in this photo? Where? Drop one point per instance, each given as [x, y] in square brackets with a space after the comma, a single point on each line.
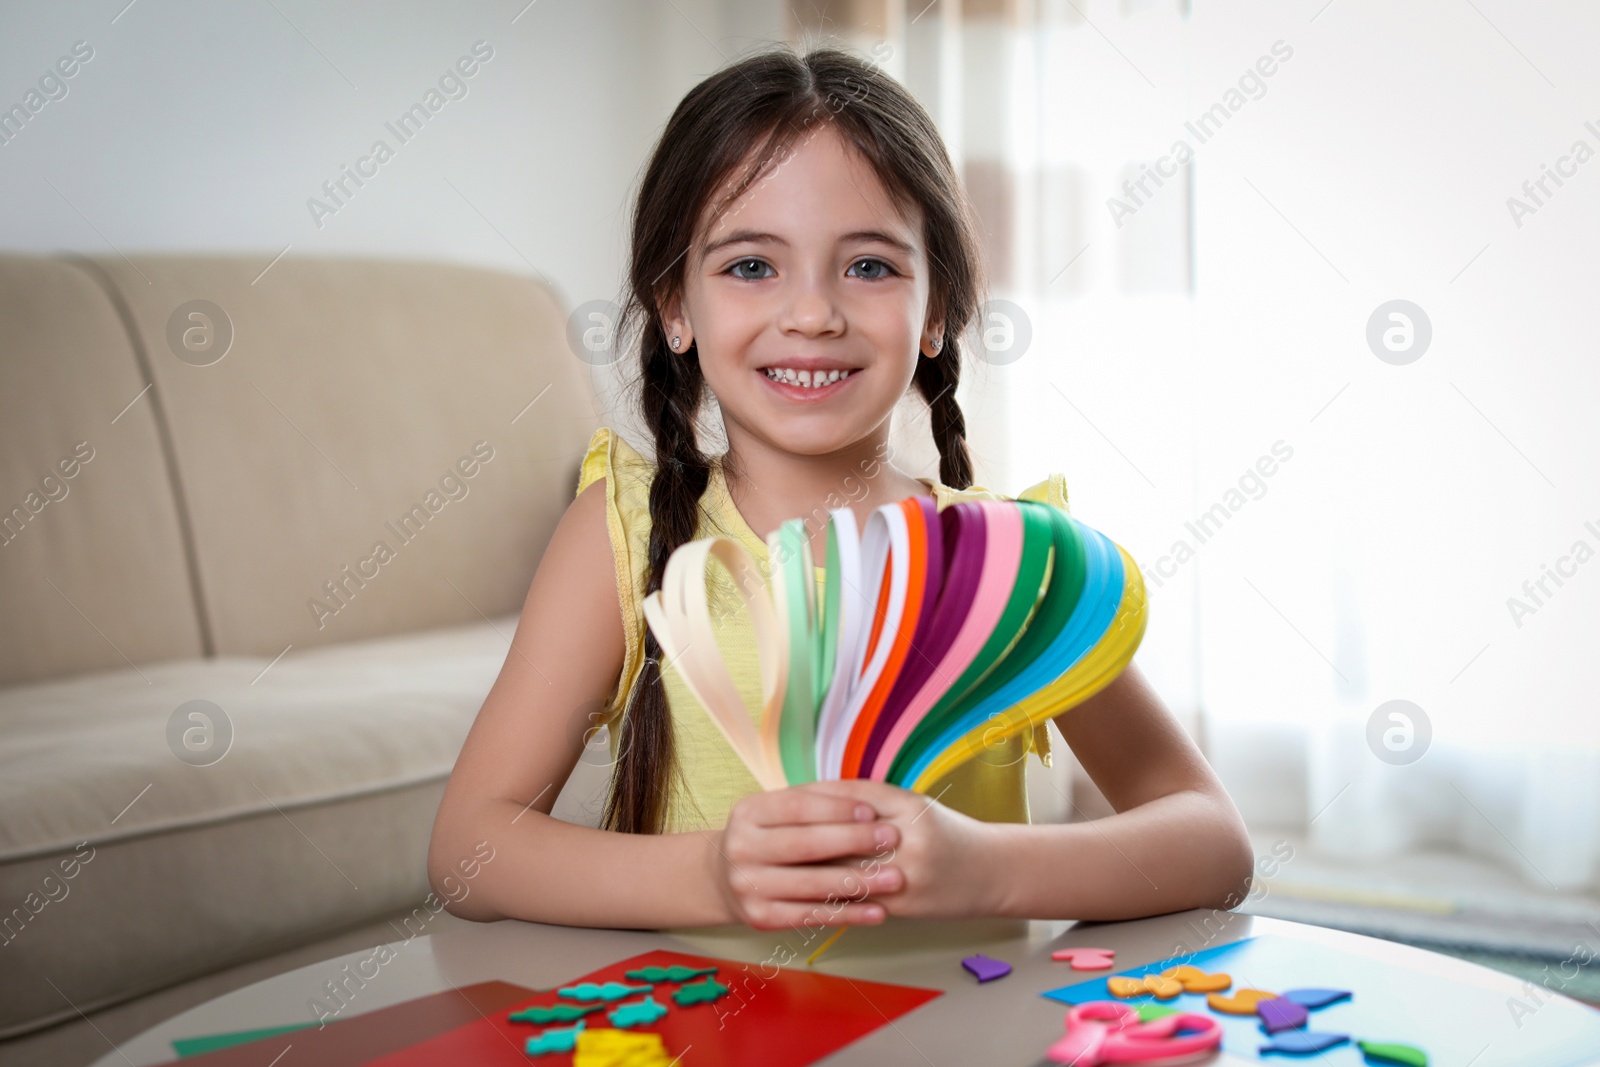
[755, 264]
[873, 264]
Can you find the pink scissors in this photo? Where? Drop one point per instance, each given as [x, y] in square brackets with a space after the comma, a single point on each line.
[1106, 1032]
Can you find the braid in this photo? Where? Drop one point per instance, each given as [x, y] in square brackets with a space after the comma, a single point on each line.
[673, 386]
[936, 380]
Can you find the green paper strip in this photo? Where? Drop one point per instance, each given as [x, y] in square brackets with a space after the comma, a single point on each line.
[197, 1046]
[796, 599]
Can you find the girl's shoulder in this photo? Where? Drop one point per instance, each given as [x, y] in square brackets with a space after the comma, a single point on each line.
[1053, 490]
[610, 456]
[627, 475]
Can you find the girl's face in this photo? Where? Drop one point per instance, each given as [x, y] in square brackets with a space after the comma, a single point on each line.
[812, 271]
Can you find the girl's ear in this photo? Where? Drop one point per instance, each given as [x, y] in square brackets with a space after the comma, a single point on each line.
[676, 325]
[933, 334]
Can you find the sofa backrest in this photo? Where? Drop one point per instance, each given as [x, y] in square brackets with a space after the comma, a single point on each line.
[93, 574]
[352, 448]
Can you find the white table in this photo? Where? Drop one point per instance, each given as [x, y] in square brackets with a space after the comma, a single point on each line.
[1021, 1023]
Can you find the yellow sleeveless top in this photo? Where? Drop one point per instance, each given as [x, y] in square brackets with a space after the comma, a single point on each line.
[711, 777]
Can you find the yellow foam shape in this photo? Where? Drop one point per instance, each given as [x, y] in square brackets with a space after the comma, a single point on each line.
[1165, 988]
[1126, 987]
[619, 1048]
[1195, 980]
[1208, 983]
[1242, 1002]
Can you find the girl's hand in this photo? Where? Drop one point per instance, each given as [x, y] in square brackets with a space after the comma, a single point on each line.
[944, 866]
[796, 855]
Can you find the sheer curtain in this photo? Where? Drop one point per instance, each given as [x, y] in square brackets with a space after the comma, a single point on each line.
[1375, 595]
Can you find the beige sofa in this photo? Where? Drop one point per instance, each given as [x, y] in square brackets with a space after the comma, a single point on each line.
[260, 566]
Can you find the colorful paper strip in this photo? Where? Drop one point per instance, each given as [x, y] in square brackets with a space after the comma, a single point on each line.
[940, 634]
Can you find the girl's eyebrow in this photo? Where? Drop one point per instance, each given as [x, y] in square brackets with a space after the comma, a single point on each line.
[759, 237]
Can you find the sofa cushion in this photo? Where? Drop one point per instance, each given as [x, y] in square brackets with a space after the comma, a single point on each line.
[358, 403]
[124, 867]
[91, 549]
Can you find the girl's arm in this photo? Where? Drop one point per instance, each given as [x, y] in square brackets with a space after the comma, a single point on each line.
[564, 660]
[1176, 841]
[497, 853]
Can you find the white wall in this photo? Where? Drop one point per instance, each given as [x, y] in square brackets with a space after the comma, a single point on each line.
[209, 125]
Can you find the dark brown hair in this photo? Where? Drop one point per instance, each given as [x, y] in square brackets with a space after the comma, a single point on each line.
[751, 113]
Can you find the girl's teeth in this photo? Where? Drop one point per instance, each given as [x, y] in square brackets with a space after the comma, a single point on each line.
[808, 379]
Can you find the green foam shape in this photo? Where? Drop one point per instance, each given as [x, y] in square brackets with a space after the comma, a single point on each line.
[554, 1013]
[634, 1013]
[1406, 1055]
[1149, 1013]
[608, 992]
[676, 973]
[555, 1040]
[700, 992]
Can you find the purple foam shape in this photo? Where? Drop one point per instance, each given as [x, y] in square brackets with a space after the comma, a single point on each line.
[1280, 1014]
[1316, 998]
[985, 968]
[1303, 1042]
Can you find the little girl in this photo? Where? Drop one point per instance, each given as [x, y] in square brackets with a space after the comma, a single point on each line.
[803, 251]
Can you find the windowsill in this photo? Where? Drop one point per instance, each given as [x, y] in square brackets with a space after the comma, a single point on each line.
[1440, 899]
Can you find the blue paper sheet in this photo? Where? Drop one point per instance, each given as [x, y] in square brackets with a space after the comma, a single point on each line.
[1454, 1021]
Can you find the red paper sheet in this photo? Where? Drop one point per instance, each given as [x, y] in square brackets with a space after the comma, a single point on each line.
[776, 1017]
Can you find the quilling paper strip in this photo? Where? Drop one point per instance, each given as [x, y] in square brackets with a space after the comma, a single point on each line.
[939, 634]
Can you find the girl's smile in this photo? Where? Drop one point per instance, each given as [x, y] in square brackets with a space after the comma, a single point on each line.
[799, 384]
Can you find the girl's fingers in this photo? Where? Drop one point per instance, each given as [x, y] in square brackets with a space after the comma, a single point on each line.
[887, 800]
[796, 915]
[798, 804]
[819, 883]
[814, 843]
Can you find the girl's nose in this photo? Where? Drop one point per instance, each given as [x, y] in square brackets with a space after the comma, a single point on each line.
[812, 308]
